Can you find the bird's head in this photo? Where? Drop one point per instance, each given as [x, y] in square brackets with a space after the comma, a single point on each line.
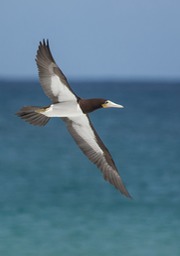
[89, 105]
[110, 104]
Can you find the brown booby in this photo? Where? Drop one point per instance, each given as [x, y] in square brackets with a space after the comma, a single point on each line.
[74, 112]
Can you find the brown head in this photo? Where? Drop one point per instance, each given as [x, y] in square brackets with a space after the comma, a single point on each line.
[89, 105]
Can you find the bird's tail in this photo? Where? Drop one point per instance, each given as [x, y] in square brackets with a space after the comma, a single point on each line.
[33, 115]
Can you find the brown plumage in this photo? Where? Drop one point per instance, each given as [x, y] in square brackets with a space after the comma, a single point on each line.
[74, 112]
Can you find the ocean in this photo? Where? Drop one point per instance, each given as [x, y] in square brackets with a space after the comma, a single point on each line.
[53, 201]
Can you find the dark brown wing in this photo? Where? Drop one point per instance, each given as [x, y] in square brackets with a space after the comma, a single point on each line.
[52, 79]
[92, 146]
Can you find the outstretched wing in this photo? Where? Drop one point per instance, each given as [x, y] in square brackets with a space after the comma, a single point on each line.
[52, 79]
[92, 146]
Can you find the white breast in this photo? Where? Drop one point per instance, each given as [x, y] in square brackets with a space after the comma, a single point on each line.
[64, 109]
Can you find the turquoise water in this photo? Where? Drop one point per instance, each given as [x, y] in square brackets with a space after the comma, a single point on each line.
[53, 201]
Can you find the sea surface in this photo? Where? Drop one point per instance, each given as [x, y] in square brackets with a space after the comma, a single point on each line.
[53, 201]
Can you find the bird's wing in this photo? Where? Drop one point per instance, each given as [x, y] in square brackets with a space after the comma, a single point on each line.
[52, 79]
[87, 139]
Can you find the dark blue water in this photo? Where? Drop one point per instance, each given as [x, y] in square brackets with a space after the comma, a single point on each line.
[53, 201]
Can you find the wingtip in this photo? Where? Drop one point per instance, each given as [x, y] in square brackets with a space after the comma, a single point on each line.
[42, 48]
[128, 195]
[44, 42]
[124, 192]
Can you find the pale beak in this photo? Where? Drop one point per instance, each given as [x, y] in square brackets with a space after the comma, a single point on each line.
[110, 104]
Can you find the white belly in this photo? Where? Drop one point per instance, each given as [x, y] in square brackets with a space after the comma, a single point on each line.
[63, 109]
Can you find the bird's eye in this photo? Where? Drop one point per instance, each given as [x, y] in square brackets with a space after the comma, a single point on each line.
[106, 102]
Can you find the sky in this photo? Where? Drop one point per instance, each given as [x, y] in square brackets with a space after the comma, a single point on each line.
[102, 39]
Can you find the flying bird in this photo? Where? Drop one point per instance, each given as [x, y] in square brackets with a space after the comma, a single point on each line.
[74, 111]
